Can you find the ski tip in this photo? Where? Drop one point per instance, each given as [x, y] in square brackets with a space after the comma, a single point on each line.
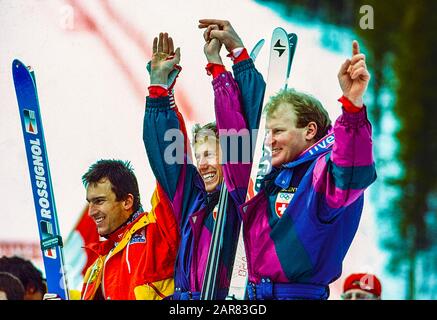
[292, 37]
[279, 29]
[16, 63]
[256, 49]
[261, 42]
[20, 70]
[17, 69]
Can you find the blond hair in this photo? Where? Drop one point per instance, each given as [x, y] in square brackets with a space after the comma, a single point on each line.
[202, 133]
[306, 107]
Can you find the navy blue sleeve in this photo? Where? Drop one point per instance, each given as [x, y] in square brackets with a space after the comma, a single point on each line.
[158, 119]
[252, 87]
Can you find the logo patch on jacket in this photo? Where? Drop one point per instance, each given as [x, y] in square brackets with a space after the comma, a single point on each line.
[283, 199]
[215, 212]
[139, 237]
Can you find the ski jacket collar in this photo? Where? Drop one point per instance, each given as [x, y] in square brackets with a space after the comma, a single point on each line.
[103, 247]
[117, 234]
[322, 146]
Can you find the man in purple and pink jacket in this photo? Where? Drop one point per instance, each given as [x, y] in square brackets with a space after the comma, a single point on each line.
[298, 228]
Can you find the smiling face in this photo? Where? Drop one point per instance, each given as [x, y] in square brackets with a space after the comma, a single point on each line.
[287, 141]
[107, 212]
[208, 163]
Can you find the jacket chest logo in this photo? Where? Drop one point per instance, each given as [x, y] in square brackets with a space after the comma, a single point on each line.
[283, 199]
[139, 237]
[215, 212]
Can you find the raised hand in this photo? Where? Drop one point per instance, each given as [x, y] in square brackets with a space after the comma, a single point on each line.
[354, 76]
[212, 46]
[225, 33]
[164, 58]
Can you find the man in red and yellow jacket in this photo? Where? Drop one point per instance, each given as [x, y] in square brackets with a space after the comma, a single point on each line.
[137, 259]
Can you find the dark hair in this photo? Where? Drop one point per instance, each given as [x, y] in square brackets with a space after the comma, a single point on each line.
[202, 133]
[12, 286]
[120, 174]
[25, 271]
[306, 107]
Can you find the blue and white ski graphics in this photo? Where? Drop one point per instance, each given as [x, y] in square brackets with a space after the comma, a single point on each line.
[33, 133]
[282, 50]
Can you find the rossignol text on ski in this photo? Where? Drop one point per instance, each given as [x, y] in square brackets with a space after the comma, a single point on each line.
[42, 189]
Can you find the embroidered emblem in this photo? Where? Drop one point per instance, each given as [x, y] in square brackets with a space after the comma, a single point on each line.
[139, 237]
[283, 199]
[215, 212]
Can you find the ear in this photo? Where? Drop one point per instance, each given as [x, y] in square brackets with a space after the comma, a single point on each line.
[128, 202]
[311, 131]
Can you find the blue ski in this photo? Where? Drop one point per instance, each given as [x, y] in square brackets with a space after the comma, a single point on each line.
[256, 49]
[49, 233]
[292, 43]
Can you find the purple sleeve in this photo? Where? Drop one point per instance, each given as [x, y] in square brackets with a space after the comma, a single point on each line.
[344, 174]
[234, 135]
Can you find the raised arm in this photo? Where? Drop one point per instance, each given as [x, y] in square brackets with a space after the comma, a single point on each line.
[164, 133]
[230, 120]
[354, 76]
[249, 80]
[350, 168]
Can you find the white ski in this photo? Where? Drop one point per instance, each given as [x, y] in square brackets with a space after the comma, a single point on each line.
[281, 54]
